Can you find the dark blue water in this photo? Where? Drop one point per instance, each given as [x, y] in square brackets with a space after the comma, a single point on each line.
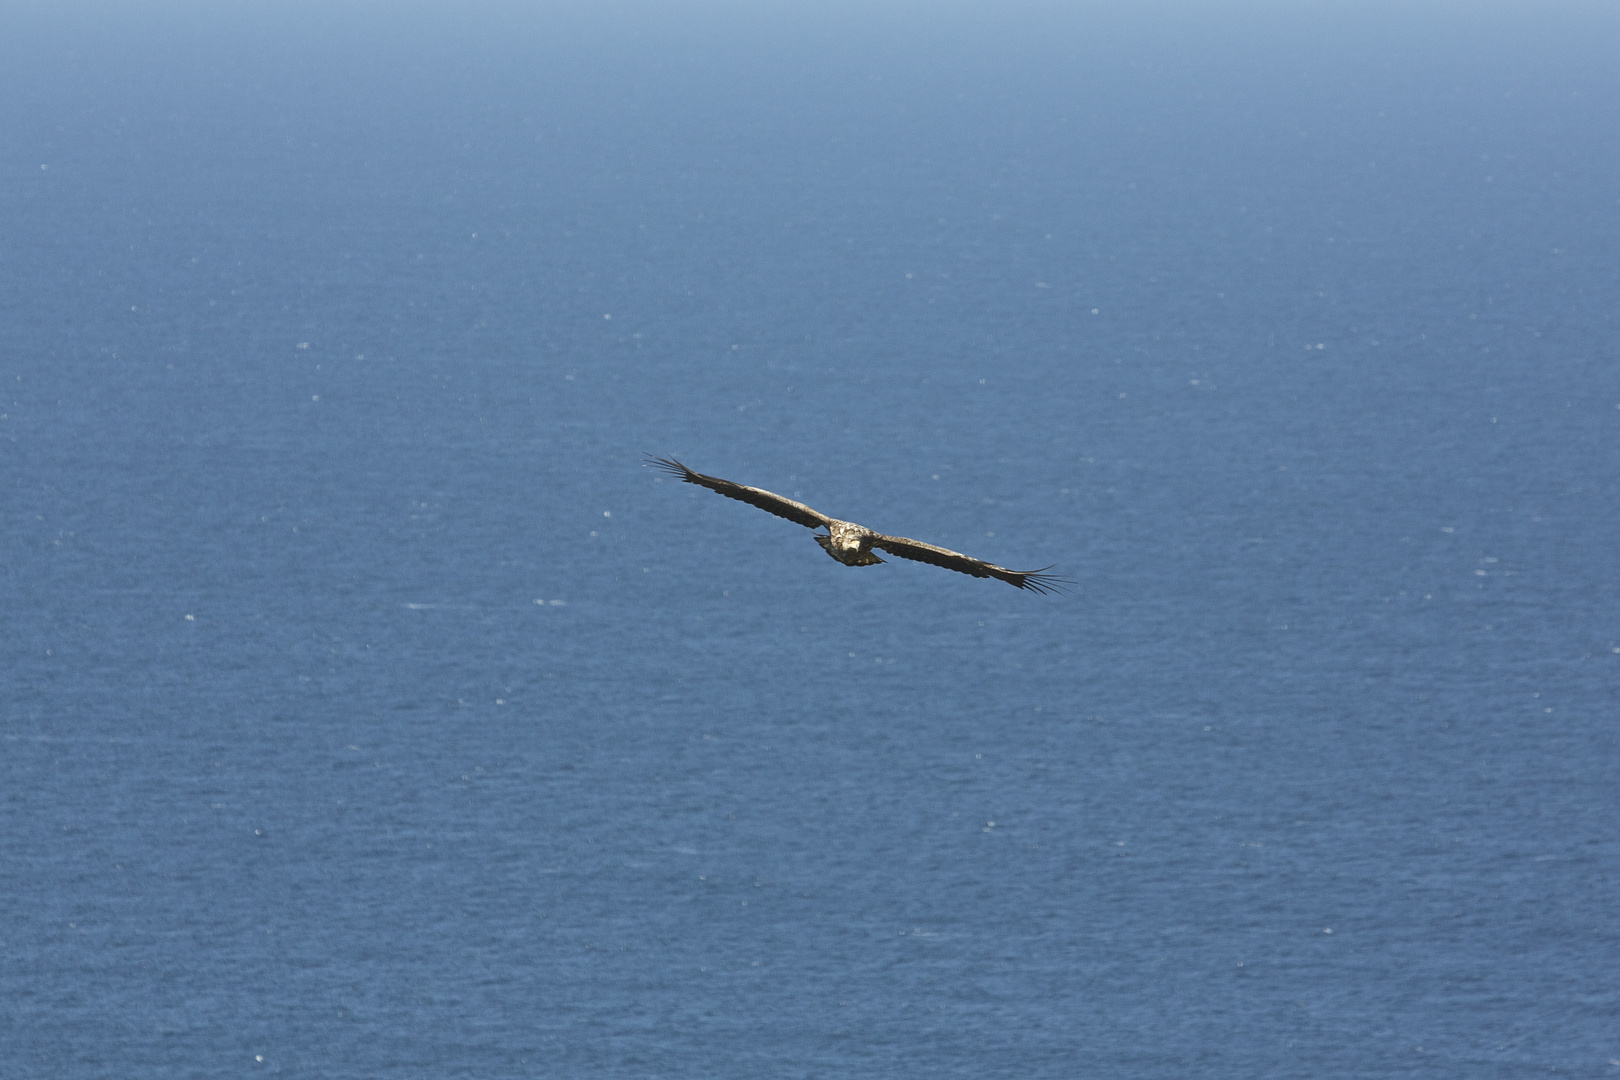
[367, 710]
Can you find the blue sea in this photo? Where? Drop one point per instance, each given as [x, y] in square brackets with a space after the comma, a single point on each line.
[368, 710]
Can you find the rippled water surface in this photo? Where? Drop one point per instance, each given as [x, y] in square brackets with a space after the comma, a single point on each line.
[367, 710]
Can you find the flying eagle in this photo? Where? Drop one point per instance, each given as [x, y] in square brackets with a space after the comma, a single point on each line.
[852, 544]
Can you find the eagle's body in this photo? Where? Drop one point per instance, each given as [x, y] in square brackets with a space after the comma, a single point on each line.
[852, 544]
[849, 543]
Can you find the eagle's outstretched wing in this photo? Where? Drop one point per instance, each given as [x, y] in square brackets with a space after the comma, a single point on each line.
[1035, 580]
[753, 496]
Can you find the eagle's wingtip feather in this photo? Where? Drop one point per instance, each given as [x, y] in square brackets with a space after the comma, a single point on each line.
[669, 465]
[1041, 582]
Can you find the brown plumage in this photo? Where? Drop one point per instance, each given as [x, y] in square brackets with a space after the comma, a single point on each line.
[852, 544]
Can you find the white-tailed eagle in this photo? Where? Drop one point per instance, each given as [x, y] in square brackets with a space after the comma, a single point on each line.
[852, 544]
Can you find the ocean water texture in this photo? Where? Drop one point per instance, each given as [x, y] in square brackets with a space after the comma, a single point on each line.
[367, 710]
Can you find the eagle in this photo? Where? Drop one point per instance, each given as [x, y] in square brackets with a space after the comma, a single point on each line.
[852, 544]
